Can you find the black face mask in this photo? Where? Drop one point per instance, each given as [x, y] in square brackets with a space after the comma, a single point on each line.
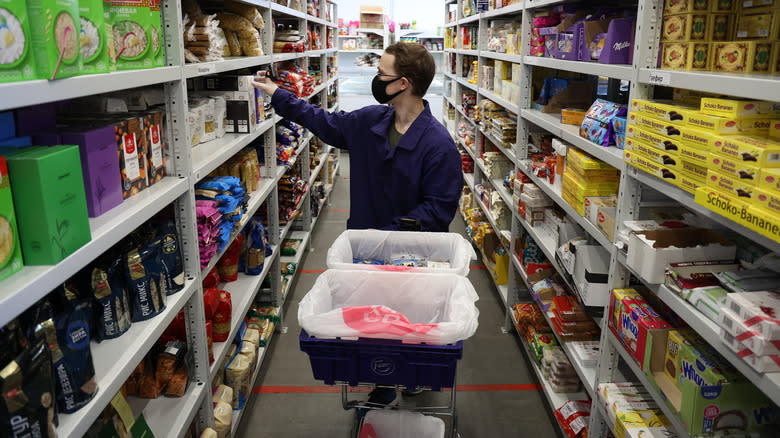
[379, 89]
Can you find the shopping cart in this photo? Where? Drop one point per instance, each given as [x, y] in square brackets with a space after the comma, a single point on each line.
[385, 363]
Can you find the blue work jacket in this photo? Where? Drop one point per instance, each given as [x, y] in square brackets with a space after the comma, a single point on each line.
[420, 178]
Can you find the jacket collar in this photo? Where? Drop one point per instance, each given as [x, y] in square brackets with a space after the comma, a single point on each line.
[412, 135]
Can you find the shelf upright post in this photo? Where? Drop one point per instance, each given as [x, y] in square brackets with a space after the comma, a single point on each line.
[179, 155]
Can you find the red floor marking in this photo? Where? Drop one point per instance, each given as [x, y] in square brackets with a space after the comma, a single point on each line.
[303, 389]
[478, 267]
[337, 210]
[311, 271]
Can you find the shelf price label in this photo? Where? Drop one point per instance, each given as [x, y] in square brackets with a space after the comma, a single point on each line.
[660, 78]
[207, 69]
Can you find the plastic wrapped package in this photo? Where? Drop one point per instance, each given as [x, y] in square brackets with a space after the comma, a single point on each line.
[222, 317]
[222, 393]
[382, 245]
[233, 44]
[228, 264]
[209, 120]
[247, 11]
[196, 122]
[237, 376]
[338, 301]
[223, 419]
[209, 433]
[220, 115]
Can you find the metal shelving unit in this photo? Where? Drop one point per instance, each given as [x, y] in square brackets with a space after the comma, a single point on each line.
[115, 359]
[642, 75]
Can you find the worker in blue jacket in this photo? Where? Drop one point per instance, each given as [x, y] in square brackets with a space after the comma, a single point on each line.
[404, 163]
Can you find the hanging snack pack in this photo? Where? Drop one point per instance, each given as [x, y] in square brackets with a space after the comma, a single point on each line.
[93, 39]
[28, 392]
[130, 27]
[170, 257]
[111, 307]
[55, 40]
[75, 373]
[17, 61]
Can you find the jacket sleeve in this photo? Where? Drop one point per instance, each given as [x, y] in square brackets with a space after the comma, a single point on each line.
[442, 185]
[329, 127]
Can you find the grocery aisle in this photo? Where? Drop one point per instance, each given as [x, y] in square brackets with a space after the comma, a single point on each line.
[289, 402]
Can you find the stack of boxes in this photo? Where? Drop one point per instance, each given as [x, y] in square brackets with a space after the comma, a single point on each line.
[721, 35]
[632, 411]
[503, 85]
[726, 152]
[587, 177]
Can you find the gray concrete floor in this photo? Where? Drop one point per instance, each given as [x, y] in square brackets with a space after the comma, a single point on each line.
[491, 357]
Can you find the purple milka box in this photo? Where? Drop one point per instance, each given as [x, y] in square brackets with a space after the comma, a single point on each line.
[32, 120]
[619, 44]
[100, 166]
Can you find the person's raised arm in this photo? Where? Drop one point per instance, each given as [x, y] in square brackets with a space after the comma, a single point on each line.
[442, 184]
[329, 127]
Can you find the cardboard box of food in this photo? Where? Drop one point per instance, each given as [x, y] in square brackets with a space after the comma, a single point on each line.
[769, 179]
[100, 167]
[734, 406]
[649, 252]
[742, 170]
[591, 274]
[693, 153]
[759, 24]
[583, 161]
[741, 56]
[632, 320]
[671, 160]
[593, 203]
[694, 170]
[667, 144]
[738, 211]
[10, 246]
[735, 108]
[729, 185]
[51, 208]
[762, 364]
[720, 27]
[757, 343]
[774, 127]
[683, 276]
[692, 56]
[683, 6]
[758, 125]
[707, 300]
[689, 183]
[606, 221]
[674, 131]
[684, 27]
[763, 152]
[757, 310]
[646, 164]
[571, 116]
[767, 200]
[666, 110]
[56, 51]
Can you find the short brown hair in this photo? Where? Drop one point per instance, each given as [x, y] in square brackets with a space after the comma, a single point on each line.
[415, 63]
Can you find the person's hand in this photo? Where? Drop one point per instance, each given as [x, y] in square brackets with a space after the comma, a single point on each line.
[265, 85]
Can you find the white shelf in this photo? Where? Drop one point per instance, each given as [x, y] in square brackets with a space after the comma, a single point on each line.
[570, 134]
[451, 23]
[509, 106]
[710, 331]
[555, 399]
[318, 89]
[304, 237]
[115, 360]
[687, 201]
[318, 20]
[24, 288]
[470, 52]
[673, 416]
[751, 86]
[501, 233]
[242, 294]
[498, 185]
[20, 94]
[210, 155]
[542, 3]
[318, 52]
[467, 84]
[284, 10]
[279, 57]
[316, 171]
[229, 64]
[508, 151]
[517, 59]
[261, 354]
[374, 51]
[624, 72]
[511, 9]
[256, 199]
[170, 416]
[368, 30]
[554, 192]
[469, 19]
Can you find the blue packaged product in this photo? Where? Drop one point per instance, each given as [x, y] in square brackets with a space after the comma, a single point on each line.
[111, 307]
[255, 248]
[170, 257]
[358, 261]
[597, 125]
[7, 125]
[16, 142]
[143, 279]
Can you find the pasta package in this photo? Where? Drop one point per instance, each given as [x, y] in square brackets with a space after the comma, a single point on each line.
[232, 41]
[237, 376]
[93, 40]
[55, 41]
[223, 419]
[222, 394]
[222, 317]
[17, 61]
[130, 22]
[247, 11]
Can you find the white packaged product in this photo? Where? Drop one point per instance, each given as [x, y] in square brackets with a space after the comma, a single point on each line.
[753, 340]
[209, 433]
[383, 245]
[196, 122]
[220, 115]
[223, 419]
[762, 364]
[758, 311]
[414, 307]
[401, 424]
[209, 121]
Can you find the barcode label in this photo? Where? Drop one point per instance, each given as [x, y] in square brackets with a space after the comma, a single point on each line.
[747, 4]
[734, 307]
[742, 34]
[578, 424]
[728, 323]
[773, 157]
[763, 33]
[660, 78]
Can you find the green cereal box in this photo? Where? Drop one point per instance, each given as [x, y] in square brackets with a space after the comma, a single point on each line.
[94, 37]
[156, 50]
[56, 36]
[130, 21]
[10, 247]
[16, 57]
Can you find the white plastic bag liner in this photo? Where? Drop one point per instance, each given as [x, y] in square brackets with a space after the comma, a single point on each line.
[401, 424]
[414, 307]
[383, 245]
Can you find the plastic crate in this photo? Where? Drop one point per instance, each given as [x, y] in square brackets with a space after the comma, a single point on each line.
[381, 361]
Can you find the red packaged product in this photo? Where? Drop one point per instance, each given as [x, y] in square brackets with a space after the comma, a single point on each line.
[573, 417]
[210, 340]
[210, 302]
[211, 279]
[569, 309]
[228, 264]
[567, 336]
[220, 328]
